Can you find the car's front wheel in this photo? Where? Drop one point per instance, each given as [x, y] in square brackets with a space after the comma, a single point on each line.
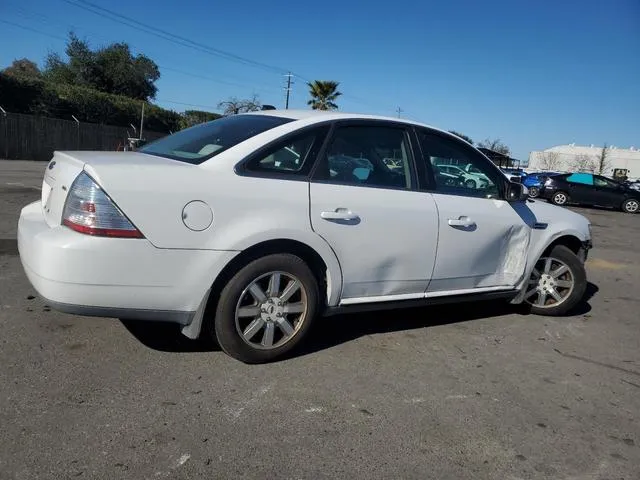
[534, 192]
[470, 184]
[266, 308]
[631, 205]
[557, 284]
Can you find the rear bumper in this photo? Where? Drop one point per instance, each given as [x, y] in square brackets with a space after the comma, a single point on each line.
[114, 277]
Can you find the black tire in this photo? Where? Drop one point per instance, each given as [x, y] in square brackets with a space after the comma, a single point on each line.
[470, 184]
[534, 192]
[560, 198]
[224, 325]
[631, 205]
[579, 275]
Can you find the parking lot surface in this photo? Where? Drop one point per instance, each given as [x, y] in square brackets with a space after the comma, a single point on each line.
[464, 391]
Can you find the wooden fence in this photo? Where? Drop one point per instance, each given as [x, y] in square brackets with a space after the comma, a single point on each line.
[30, 137]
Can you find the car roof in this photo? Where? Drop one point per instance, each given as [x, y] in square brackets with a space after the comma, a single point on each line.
[323, 115]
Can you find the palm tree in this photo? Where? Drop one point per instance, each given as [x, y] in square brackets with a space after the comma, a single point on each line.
[323, 94]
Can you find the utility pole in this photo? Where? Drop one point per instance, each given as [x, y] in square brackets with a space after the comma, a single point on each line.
[77, 131]
[399, 110]
[141, 120]
[6, 140]
[288, 89]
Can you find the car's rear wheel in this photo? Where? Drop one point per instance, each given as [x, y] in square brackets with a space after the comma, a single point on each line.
[470, 184]
[631, 205]
[560, 198]
[534, 192]
[557, 284]
[266, 308]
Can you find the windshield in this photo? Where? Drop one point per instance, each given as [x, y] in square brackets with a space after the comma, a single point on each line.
[201, 142]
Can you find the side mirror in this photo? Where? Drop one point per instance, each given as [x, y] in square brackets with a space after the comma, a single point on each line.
[516, 192]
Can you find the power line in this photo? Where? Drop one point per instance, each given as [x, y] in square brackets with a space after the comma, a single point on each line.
[187, 104]
[32, 29]
[158, 32]
[211, 79]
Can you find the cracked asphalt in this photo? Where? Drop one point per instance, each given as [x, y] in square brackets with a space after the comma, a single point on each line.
[461, 392]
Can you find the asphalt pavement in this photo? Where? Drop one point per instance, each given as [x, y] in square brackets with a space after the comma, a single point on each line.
[465, 391]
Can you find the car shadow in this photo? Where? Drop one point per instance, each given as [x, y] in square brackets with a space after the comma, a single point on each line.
[332, 331]
[166, 337]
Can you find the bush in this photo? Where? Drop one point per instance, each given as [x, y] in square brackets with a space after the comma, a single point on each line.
[39, 97]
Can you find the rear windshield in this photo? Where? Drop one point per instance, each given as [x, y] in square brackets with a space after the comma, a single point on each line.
[201, 142]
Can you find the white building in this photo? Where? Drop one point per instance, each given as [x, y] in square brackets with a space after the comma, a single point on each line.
[576, 158]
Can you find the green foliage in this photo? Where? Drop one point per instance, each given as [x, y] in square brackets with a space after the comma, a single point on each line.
[111, 69]
[193, 117]
[462, 136]
[23, 68]
[57, 100]
[323, 93]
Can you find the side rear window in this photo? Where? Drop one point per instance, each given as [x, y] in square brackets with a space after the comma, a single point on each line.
[201, 142]
[292, 156]
[582, 178]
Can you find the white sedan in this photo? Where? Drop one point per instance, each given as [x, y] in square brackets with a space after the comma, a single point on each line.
[253, 226]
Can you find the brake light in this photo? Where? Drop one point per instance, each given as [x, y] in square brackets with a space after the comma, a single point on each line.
[89, 210]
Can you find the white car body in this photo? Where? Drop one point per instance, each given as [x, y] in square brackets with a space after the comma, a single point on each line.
[406, 244]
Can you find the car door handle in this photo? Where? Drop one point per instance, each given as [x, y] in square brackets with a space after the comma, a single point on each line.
[461, 222]
[339, 214]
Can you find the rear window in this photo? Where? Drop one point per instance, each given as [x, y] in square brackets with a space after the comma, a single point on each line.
[201, 142]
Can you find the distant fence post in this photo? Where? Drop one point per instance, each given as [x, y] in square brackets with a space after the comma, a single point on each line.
[6, 140]
[78, 128]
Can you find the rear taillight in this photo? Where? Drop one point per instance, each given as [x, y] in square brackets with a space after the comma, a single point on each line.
[88, 209]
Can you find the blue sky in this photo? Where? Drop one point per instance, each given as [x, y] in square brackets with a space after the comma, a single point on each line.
[534, 74]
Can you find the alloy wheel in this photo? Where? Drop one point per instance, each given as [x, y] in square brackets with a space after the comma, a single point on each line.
[271, 310]
[560, 198]
[632, 206]
[550, 284]
[534, 192]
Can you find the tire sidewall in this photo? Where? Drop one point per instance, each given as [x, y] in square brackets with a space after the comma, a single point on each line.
[223, 326]
[580, 282]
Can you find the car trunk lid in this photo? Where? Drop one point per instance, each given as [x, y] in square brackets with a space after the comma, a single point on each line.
[58, 177]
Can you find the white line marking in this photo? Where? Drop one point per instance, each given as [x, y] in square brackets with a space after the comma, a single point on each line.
[315, 410]
[237, 412]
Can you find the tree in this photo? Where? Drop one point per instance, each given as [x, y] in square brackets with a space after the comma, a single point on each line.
[111, 69]
[602, 163]
[233, 105]
[323, 93]
[462, 136]
[193, 117]
[583, 163]
[23, 68]
[549, 161]
[495, 145]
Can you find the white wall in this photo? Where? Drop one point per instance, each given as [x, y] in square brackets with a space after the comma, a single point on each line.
[571, 158]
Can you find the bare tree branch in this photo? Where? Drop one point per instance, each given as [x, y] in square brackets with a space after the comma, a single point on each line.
[550, 161]
[233, 105]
